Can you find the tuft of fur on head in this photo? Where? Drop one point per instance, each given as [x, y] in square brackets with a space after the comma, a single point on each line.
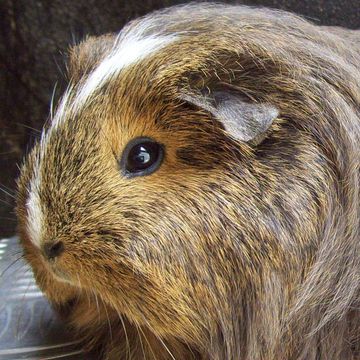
[244, 243]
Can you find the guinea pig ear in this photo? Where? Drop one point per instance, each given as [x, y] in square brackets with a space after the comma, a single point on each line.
[243, 120]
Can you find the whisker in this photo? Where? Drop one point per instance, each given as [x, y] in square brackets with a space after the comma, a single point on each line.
[8, 189]
[141, 343]
[161, 340]
[7, 193]
[192, 353]
[78, 279]
[8, 152]
[30, 127]
[147, 341]
[59, 67]
[6, 203]
[126, 335]
[166, 348]
[108, 319]
[97, 306]
[52, 101]
[7, 219]
[10, 265]
[12, 252]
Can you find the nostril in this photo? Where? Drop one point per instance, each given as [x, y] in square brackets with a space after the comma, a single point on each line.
[53, 249]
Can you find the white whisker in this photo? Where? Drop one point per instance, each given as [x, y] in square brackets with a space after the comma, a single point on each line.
[52, 102]
[141, 343]
[126, 335]
[161, 340]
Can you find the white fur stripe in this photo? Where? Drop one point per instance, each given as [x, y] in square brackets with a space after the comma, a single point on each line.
[127, 52]
[60, 111]
[34, 211]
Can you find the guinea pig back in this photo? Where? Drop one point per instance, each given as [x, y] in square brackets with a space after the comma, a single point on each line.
[195, 195]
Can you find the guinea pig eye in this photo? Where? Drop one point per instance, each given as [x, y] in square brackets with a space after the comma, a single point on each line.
[142, 156]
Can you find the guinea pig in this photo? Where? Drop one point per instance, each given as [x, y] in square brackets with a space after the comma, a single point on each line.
[196, 192]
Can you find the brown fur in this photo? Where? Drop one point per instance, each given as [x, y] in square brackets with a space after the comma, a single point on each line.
[231, 250]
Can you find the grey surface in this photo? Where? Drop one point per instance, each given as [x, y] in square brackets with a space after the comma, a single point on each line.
[28, 327]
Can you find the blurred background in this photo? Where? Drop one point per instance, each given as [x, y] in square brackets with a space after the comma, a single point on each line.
[34, 38]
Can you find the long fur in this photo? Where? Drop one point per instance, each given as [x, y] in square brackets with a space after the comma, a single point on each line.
[230, 250]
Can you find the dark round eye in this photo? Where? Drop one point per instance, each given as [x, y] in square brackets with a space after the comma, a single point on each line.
[142, 156]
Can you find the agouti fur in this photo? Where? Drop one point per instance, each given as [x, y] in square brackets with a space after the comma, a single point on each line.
[244, 244]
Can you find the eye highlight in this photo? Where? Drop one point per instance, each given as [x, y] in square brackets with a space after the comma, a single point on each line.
[142, 156]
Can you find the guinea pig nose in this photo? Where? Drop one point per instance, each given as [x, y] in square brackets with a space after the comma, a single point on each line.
[53, 249]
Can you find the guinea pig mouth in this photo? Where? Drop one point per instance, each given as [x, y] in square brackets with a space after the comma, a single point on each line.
[60, 275]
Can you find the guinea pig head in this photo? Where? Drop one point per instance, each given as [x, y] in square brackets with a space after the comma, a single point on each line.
[175, 180]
